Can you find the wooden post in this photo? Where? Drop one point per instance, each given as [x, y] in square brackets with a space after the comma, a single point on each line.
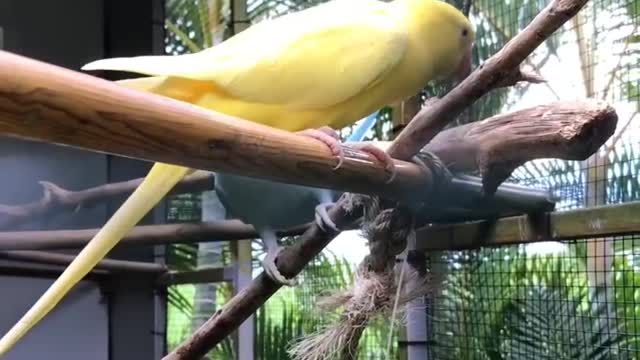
[243, 277]
[418, 311]
[416, 329]
[599, 251]
[160, 300]
[244, 272]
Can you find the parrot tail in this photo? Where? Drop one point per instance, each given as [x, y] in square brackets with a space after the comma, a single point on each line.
[191, 65]
[155, 186]
[145, 65]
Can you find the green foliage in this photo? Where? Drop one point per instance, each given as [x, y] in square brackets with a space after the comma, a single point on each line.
[292, 312]
[273, 336]
[180, 313]
[623, 173]
[259, 10]
[188, 25]
[179, 310]
[626, 274]
[547, 323]
[505, 304]
[478, 288]
[633, 9]
[630, 90]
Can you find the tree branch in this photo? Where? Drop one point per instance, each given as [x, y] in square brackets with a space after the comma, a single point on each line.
[140, 235]
[56, 199]
[568, 130]
[121, 266]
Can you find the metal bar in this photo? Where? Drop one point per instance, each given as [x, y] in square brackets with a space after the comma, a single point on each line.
[606, 220]
[464, 199]
[508, 197]
[196, 277]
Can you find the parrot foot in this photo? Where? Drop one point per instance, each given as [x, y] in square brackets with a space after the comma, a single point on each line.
[381, 156]
[330, 138]
[269, 264]
[322, 218]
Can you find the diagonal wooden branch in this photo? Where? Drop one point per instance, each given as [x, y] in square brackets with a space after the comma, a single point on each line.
[56, 199]
[425, 126]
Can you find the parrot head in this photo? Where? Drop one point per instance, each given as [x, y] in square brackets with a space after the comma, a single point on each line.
[445, 34]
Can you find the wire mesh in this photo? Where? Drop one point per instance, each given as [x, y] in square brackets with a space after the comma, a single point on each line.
[595, 55]
[538, 301]
[564, 300]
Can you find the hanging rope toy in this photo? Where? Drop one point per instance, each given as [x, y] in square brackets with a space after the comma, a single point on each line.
[387, 225]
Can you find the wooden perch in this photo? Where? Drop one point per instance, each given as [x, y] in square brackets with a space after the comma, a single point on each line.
[56, 199]
[548, 129]
[140, 235]
[121, 266]
[570, 130]
[587, 223]
[423, 128]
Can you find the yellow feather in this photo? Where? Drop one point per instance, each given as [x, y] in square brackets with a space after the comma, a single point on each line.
[329, 65]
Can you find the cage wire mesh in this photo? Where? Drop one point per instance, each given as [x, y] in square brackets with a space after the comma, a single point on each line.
[567, 300]
[539, 301]
[554, 300]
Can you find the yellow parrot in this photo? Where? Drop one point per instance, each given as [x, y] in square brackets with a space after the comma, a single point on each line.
[317, 69]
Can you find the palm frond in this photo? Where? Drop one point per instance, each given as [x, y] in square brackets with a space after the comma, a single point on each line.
[544, 322]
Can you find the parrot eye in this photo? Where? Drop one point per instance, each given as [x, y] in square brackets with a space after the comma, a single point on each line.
[465, 32]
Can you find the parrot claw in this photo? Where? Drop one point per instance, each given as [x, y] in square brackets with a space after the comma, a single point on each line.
[269, 264]
[322, 218]
[330, 138]
[381, 156]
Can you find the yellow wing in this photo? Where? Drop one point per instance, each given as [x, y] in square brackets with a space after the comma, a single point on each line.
[308, 60]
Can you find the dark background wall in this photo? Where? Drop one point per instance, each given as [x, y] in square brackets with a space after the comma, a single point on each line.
[70, 33]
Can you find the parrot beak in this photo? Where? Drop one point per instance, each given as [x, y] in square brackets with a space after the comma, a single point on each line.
[464, 69]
